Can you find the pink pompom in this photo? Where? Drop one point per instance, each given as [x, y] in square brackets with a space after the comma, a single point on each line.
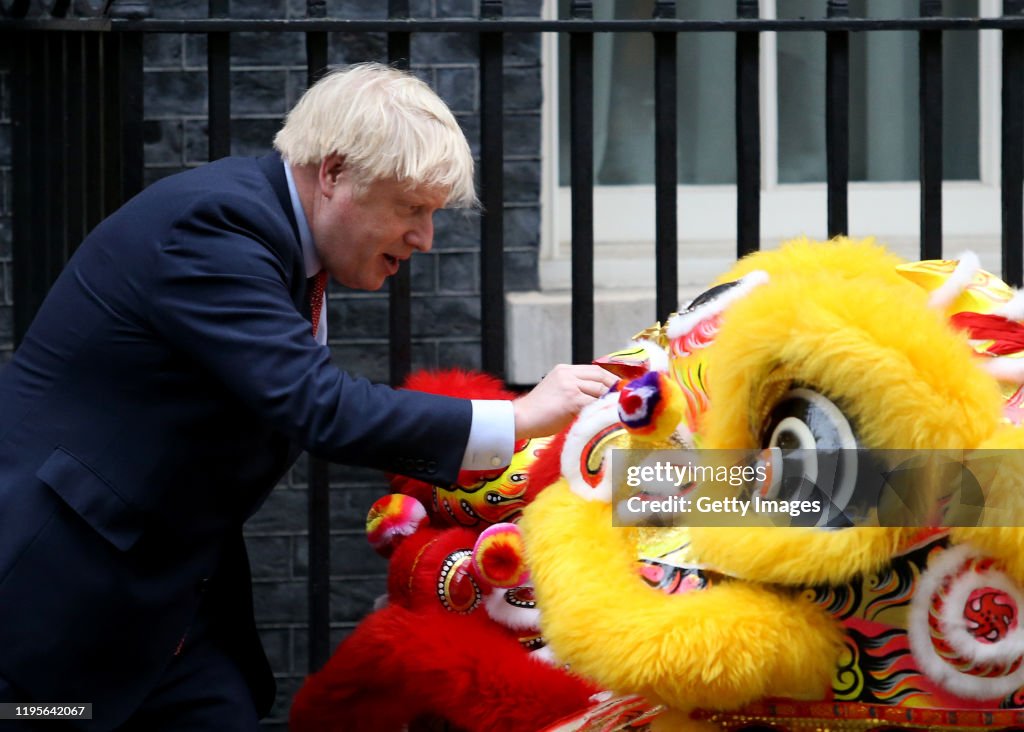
[391, 519]
[499, 557]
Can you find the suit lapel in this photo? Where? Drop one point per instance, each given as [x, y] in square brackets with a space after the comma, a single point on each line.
[273, 168]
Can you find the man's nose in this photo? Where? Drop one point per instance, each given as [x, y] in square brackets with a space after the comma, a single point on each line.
[421, 238]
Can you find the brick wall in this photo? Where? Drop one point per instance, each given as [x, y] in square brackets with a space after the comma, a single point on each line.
[268, 75]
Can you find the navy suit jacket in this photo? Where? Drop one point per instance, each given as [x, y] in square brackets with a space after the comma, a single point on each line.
[168, 381]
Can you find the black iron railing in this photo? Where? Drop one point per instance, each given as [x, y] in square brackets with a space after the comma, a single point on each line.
[78, 152]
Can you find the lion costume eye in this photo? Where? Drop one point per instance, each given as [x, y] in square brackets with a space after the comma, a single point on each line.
[803, 418]
[812, 450]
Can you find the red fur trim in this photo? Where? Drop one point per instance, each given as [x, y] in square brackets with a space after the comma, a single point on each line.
[1007, 334]
[458, 383]
[422, 492]
[413, 569]
[399, 665]
[547, 468]
[455, 383]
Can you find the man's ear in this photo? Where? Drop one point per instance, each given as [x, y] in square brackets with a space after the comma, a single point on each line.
[332, 172]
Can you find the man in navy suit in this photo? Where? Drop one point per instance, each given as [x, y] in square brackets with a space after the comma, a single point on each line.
[173, 374]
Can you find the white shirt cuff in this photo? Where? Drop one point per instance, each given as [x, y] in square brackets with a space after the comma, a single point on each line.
[492, 435]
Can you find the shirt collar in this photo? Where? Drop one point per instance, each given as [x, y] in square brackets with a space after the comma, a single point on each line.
[309, 257]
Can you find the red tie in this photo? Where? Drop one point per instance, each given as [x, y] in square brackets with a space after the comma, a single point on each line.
[316, 297]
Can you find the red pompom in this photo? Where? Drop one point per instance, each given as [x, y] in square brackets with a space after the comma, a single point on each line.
[499, 558]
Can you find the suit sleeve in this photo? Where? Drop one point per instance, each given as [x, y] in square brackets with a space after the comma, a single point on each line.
[219, 294]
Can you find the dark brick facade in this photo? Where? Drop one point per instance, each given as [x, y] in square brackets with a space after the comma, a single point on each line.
[268, 75]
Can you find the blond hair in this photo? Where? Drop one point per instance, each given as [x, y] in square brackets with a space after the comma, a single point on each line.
[386, 123]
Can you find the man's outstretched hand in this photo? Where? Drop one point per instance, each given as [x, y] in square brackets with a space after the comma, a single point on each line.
[559, 397]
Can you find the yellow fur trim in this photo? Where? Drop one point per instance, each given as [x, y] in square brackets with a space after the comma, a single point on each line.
[838, 319]
[781, 555]
[802, 257]
[841, 320]
[848, 325]
[716, 648]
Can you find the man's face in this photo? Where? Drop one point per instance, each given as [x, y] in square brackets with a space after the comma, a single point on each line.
[362, 239]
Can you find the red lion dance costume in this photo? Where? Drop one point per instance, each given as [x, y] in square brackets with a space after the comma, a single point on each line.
[458, 639]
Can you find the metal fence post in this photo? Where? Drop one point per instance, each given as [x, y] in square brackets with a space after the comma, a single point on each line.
[400, 285]
[666, 161]
[930, 111]
[1012, 145]
[218, 79]
[492, 162]
[748, 134]
[125, 106]
[837, 120]
[581, 155]
[319, 518]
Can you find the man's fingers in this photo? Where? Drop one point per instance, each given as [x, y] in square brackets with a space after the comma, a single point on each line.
[592, 388]
[608, 378]
[583, 373]
[594, 380]
[560, 395]
[596, 373]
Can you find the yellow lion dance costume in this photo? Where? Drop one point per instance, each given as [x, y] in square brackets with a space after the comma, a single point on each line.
[805, 628]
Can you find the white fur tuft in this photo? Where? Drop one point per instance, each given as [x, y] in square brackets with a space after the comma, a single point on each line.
[511, 616]
[544, 654]
[1012, 309]
[657, 357]
[949, 290]
[1003, 368]
[682, 323]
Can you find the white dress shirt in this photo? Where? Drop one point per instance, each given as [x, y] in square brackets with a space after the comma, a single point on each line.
[492, 430]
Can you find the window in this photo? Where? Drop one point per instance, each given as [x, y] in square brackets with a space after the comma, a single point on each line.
[884, 197]
[883, 97]
[883, 133]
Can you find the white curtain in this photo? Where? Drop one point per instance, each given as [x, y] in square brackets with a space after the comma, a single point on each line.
[883, 97]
